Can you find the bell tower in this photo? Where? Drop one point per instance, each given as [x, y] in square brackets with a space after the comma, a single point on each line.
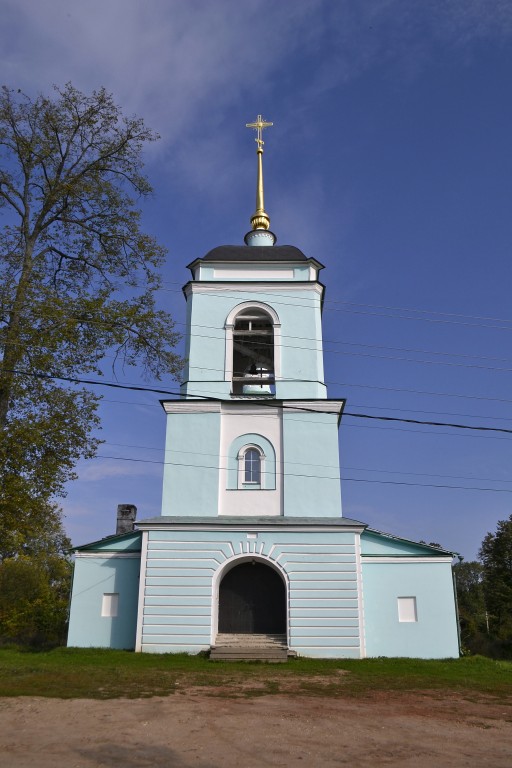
[251, 540]
[254, 414]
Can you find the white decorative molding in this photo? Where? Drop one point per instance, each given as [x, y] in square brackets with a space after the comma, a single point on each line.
[253, 274]
[235, 287]
[290, 526]
[108, 555]
[323, 406]
[232, 562]
[360, 596]
[229, 326]
[186, 406]
[142, 591]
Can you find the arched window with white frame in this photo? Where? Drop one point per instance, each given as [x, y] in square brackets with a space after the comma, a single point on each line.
[251, 467]
[251, 463]
[252, 365]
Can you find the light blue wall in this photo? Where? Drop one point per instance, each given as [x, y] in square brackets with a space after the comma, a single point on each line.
[323, 616]
[434, 635]
[376, 543]
[301, 348]
[191, 472]
[92, 578]
[312, 475]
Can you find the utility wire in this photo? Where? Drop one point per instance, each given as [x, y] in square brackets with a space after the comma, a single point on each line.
[223, 293]
[319, 341]
[309, 464]
[321, 477]
[264, 403]
[397, 309]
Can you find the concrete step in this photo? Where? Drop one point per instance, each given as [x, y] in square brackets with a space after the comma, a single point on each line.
[249, 654]
[250, 647]
[250, 640]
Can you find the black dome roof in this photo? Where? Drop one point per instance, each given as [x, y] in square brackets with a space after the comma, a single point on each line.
[255, 253]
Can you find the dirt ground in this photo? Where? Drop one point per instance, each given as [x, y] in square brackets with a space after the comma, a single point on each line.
[204, 731]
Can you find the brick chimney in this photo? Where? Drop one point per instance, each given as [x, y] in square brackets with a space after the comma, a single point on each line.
[126, 514]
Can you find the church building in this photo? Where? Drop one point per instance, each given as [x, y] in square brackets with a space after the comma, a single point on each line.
[251, 554]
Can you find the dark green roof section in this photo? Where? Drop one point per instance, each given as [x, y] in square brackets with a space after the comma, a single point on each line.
[251, 522]
[126, 542]
[256, 254]
[378, 544]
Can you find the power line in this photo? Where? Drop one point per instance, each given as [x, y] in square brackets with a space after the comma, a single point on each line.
[321, 477]
[264, 403]
[319, 341]
[394, 308]
[328, 466]
[223, 293]
[141, 404]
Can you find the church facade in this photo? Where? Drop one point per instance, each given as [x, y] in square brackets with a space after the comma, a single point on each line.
[251, 539]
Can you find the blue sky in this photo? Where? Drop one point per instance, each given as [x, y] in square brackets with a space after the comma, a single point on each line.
[389, 161]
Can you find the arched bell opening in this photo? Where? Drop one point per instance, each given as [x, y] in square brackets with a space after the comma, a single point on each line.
[253, 353]
[252, 600]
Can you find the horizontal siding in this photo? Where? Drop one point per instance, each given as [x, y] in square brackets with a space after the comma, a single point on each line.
[185, 610]
[178, 620]
[187, 582]
[327, 632]
[341, 641]
[185, 562]
[181, 573]
[182, 638]
[311, 607]
[322, 621]
[316, 557]
[323, 613]
[331, 573]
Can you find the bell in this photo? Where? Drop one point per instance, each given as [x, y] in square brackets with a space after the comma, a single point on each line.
[257, 389]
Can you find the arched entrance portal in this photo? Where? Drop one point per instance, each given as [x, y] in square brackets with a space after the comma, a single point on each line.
[252, 600]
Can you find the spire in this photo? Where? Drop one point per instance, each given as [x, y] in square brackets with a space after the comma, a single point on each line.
[260, 221]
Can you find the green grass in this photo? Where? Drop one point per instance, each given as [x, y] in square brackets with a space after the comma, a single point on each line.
[104, 674]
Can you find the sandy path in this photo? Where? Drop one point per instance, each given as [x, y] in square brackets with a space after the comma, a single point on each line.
[188, 730]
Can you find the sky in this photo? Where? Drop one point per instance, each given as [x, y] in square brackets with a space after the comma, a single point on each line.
[389, 162]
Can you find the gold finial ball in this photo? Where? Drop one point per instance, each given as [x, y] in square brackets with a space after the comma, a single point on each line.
[260, 221]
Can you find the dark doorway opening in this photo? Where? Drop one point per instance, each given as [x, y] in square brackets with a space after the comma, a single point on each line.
[252, 600]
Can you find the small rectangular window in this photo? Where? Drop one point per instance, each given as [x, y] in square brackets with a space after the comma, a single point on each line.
[407, 609]
[110, 604]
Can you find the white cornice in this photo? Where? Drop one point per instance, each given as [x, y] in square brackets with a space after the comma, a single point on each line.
[108, 555]
[191, 406]
[218, 286]
[323, 406]
[250, 408]
[250, 527]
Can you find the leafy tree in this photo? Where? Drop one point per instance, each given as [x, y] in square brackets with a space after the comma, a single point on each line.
[496, 558]
[34, 594]
[77, 279]
[471, 604]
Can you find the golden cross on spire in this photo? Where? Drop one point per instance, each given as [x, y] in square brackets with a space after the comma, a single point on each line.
[258, 125]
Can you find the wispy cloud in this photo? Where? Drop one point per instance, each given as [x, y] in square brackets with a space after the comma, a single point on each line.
[180, 64]
[100, 469]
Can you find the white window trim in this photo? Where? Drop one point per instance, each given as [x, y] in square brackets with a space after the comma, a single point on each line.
[230, 324]
[407, 609]
[242, 483]
[110, 605]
